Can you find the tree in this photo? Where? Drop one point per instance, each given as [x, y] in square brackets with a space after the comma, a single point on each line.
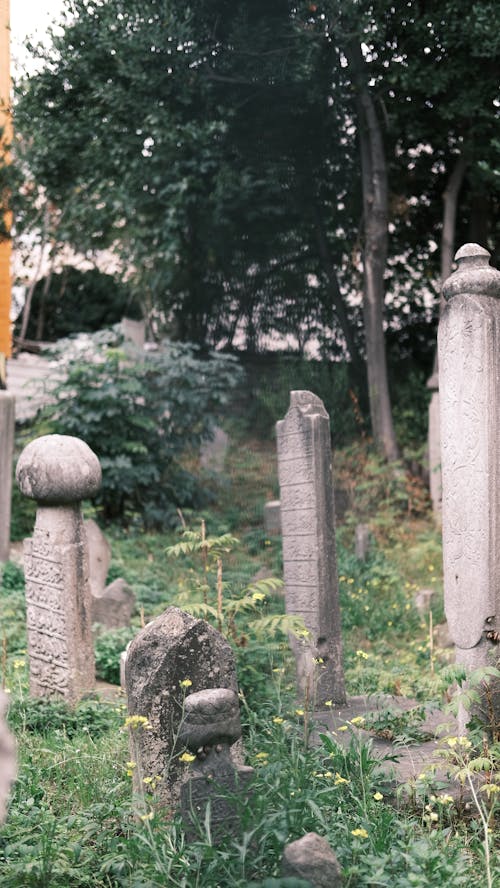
[270, 145]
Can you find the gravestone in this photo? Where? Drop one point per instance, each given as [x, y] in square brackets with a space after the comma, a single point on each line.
[362, 541]
[213, 451]
[434, 448]
[311, 858]
[58, 471]
[211, 725]
[272, 518]
[112, 605]
[99, 556]
[134, 331]
[7, 424]
[309, 554]
[469, 385]
[173, 656]
[8, 767]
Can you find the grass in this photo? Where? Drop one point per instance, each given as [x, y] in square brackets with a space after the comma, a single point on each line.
[73, 820]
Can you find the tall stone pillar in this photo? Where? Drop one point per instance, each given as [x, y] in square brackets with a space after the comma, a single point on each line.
[309, 553]
[434, 448]
[58, 471]
[7, 424]
[469, 386]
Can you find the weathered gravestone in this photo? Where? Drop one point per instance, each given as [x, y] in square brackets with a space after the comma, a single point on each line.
[311, 858]
[309, 554]
[173, 656]
[58, 471]
[362, 541]
[112, 605]
[211, 725]
[7, 758]
[213, 451]
[434, 448]
[272, 518]
[7, 423]
[469, 385]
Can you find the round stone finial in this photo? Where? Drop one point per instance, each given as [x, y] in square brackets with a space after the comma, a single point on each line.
[210, 716]
[57, 470]
[474, 275]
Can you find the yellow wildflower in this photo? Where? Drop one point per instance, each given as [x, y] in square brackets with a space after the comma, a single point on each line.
[362, 655]
[18, 664]
[258, 596]
[262, 755]
[445, 799]
[357, 720]
[299, 712]
[137, 721]
[187, 757]
[278, 720]
[147, 816]
[378, 796]
[359, 833]
[339, 779]
[343, 728]
[186, 683]
[328, 702]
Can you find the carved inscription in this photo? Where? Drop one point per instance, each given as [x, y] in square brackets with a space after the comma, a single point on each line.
[468, 399]
[46, 620]
[308, 534]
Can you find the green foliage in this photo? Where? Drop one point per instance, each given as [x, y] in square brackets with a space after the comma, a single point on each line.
[12, 577]
[142, 416]
[13, 608]
[107, 649]
[402, 727]
[77, 302]
[43, 716]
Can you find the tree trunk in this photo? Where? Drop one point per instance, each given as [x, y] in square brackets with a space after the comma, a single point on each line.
[337, 300]
[450, 204]
[34, 281]
[376, 215]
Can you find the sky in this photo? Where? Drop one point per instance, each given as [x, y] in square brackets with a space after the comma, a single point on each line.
[29, 18]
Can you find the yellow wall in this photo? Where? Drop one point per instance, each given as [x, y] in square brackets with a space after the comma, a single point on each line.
[5, 246]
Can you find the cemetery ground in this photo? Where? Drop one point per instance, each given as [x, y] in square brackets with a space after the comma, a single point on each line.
[73, 820]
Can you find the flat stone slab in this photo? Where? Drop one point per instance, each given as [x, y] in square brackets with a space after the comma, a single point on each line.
[412, 758]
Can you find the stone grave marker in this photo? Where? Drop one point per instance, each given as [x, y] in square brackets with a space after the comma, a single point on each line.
[58, 471]
[362, 541]
[309, 554]
[272, 518]
[8, 768]
[469, 385]
[112, 605]
[99, 556]
[7, 424]
[213, 451]
[211, 725]
[434, 448]
[172, 657]
[113, 608]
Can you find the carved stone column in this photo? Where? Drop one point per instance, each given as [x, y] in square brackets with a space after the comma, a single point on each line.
[58, 471]
[469, 386]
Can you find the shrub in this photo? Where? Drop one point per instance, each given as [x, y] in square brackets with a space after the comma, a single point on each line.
[107, 649]
[142, 415]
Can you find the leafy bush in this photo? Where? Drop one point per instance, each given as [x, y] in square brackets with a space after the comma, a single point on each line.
[42, 716]
[107, 649]
[77, 302]
[142, 415]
